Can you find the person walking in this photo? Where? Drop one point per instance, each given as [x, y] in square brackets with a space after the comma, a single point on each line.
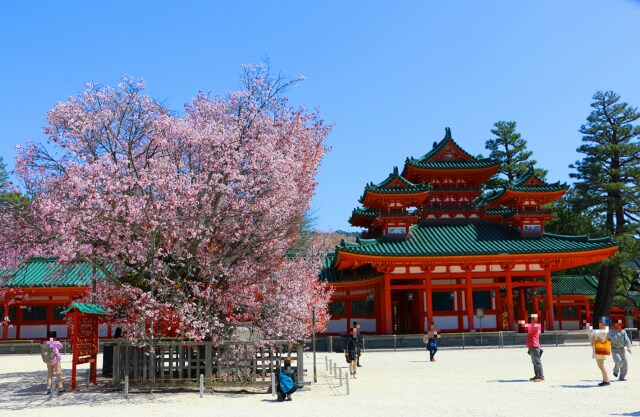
[619, 342]
[51, 356]
[352, 354]
[533, 330]
[430, 340]
[601, 347]
[360, 345]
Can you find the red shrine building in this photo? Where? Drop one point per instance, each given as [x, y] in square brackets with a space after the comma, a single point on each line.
[34, 297]
[436, 250]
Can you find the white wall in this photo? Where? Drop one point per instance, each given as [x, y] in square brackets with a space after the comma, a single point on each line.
[33, 332]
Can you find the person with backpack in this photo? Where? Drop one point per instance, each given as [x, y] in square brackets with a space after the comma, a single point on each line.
[285, 385]
[359, 342]
[351, 353]
[50, 353]
[430, 340]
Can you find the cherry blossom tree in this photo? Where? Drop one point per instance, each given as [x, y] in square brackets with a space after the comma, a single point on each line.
[191, 214]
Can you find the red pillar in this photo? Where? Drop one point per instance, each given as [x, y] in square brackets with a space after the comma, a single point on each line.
[523, 307]
[458, 297]
[5, 328]
[469, 297]
[549, 299]
[388, 322]
[499, 309]
[429, 294]
[510, 318]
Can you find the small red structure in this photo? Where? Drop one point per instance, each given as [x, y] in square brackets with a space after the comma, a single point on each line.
[86, 318]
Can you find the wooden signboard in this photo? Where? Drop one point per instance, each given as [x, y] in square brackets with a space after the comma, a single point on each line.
[85, 337]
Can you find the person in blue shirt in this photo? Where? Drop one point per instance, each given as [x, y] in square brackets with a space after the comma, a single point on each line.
[619, 342]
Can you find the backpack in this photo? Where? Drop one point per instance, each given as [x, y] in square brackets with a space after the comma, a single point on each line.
[47, 353]
[431, 344]
[286, 383]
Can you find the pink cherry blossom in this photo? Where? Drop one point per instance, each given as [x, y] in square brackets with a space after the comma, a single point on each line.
[189, 216]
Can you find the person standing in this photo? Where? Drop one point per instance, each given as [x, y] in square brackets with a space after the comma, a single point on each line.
[619, 342]
[359, 342]
[600, 348]
[430, 340]
[533, 344]
[352, 353]
[52, 357]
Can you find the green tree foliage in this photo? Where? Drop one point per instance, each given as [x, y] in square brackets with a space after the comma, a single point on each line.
[606, 188]
[7, 195]
[569, 220]
[510, 150]
[4, 177]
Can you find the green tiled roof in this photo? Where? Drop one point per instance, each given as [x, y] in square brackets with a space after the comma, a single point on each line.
[394, 176]
[472, 237]
[572, 285]
[519, 186]
[426, 163]
[523, 179]
[48, 272]
[365, 212]
[443, 164]
[332, 275]
[384, 188]
[505, 211]
[635, 295]
[548, 188]
[86, 308]
[437, 147]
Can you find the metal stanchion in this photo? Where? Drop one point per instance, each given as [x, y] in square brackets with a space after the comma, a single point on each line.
[126, 386]
[335, 369]
[201, 385]
[273, 385]
[326, 364]
[330, 367]
[340, 376]
[346, 381]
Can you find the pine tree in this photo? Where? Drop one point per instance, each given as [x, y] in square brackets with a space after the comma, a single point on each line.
[4, 176]
[607, 184]
[511, 151]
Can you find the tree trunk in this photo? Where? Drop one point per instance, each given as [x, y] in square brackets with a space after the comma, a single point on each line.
[606, 291]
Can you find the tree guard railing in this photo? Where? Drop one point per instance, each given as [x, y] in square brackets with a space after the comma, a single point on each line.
[180, 363]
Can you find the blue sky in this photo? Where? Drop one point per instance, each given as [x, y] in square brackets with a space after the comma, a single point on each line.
[390, 76]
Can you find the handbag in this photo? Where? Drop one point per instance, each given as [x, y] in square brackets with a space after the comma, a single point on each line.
[602, 347]
[346, 356]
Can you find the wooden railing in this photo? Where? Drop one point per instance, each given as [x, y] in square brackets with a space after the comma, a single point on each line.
[175, 364]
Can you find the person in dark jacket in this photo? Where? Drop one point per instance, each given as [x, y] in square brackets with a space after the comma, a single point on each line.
[352, 354]
[359, 343]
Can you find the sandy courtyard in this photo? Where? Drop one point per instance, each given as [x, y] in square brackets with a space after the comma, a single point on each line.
[471, 382]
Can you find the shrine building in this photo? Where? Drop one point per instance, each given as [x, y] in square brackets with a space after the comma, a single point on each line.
[436, 250]
[36, 294]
